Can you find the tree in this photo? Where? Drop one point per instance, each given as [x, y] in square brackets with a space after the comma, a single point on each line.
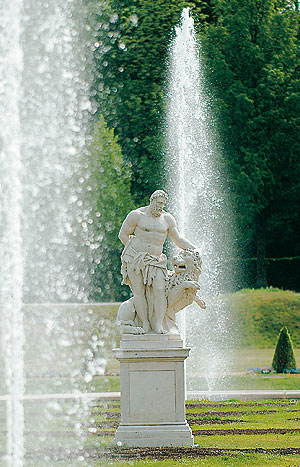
[131, 54]
[252, 55]
[109, 188]
[284, 357]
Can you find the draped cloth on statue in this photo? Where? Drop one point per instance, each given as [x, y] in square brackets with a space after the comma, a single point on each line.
[143, 263]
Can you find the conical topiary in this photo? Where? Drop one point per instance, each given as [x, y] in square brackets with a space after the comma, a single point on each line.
[284, 357]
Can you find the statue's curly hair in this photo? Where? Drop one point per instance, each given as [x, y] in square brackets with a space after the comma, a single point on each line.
[159, 194]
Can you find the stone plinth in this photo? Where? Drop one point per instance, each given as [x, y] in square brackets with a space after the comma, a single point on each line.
[152, 391]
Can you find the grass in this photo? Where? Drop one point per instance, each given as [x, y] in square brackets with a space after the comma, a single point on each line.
[256, 316]
[255, 358]
[232, 382]
[266, 382]
[243, 460]
[226, 434]
[259, 314]
[243, 446]
[248, 382]
[244, 359]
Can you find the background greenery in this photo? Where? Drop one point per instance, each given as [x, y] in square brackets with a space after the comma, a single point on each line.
[258, 315]
[250, 50]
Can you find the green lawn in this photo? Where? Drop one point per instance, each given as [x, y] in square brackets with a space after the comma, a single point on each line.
[249, 382]
[238, 379]
[232, 433]
[229, 433]
[244, 358]
[257, 315]
[234, 382]
[242, 460]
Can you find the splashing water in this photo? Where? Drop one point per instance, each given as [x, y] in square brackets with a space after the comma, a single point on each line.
[44, 103]
[196, 184]
[53, 114]
[11, 262]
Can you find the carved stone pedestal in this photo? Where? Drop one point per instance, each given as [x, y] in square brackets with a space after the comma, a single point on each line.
[152, 391]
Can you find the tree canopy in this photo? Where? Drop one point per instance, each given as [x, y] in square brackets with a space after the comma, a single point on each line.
[109, 187]
[131, 56]
[252, 54]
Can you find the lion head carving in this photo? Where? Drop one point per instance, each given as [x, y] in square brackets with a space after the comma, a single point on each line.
[182, 284]
[187, 263]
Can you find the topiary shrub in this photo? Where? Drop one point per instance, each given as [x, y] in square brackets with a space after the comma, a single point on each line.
[284, 357]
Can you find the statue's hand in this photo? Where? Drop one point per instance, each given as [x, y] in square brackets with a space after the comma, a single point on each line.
[191, 285]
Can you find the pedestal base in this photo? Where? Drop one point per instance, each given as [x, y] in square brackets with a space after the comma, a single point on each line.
[154, 435]
[152, 391]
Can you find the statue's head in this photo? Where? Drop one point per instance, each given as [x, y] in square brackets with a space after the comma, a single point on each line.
[158, 201]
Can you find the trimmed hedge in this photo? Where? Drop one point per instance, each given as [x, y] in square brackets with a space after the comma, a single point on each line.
[284, 357]
[283, 273]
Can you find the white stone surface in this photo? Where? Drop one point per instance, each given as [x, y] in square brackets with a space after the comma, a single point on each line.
[152, 391]
[154, 435]
[150, 341]
[144, 269]
[180, 289]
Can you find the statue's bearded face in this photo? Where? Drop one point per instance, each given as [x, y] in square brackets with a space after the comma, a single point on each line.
[157, 205]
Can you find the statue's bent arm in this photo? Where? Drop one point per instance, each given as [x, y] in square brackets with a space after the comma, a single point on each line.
[128, 226]
[178, 239]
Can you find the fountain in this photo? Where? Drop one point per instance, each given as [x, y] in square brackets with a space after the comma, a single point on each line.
[11, 261]
[44, 104]
[196, 183]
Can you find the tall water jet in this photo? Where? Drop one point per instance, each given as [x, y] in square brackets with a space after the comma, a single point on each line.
[197, 183]
[53, 114]
[11, 259]
[44, 106]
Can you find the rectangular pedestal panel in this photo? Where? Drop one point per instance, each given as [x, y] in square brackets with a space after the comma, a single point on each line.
[152, 396]
[154, 435]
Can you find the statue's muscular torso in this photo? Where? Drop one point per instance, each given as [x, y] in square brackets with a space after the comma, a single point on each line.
[150, 232]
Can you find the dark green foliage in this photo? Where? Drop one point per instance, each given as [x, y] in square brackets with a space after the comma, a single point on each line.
[131, 62]
[252, 54]
[251, 49]
[111, 200]
[284, 354]
[283, 273]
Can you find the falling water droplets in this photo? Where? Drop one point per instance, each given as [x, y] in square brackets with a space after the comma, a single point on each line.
[197, 186]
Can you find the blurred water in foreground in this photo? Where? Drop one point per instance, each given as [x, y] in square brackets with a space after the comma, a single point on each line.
[44, 108]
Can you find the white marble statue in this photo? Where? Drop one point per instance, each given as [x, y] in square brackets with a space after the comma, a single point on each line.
[157, 293]
[181, 286]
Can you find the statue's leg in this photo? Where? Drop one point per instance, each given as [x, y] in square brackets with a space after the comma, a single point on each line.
[140, 303]
[160, 301]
